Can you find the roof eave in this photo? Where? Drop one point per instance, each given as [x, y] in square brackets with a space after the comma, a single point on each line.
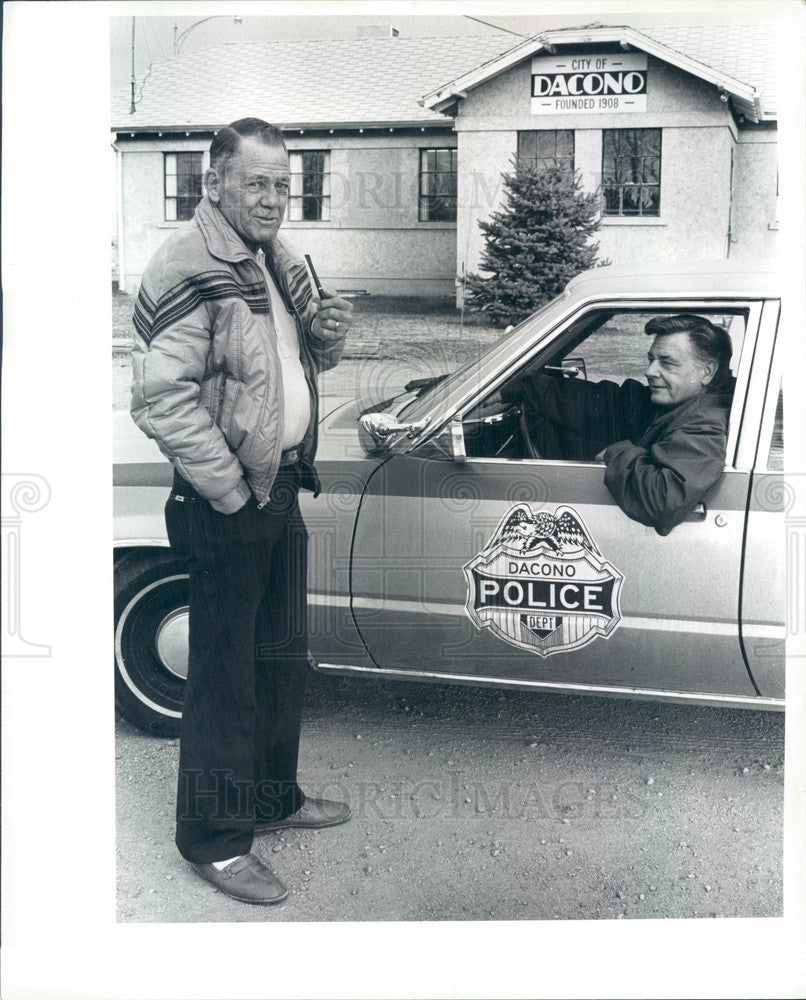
[448, 105]
[152, 127]
[428, 123]
[457, 88]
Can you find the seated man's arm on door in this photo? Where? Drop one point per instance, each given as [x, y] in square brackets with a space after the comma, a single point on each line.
[661, 483]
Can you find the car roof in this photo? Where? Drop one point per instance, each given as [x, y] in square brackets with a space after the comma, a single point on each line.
[711, 277]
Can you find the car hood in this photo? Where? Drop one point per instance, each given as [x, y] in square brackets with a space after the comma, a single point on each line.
[338, 435]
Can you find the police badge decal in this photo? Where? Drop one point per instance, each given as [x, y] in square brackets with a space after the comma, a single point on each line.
[541, 583]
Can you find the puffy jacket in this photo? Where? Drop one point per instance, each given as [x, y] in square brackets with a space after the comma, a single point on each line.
[207, 383]
[661, 478]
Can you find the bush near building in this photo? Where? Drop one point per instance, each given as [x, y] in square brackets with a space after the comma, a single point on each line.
[535, 244]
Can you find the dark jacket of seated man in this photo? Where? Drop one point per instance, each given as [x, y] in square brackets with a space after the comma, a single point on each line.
[664, 443]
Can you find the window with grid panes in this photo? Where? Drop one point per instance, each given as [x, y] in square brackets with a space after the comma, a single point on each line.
[437, 185]
[547, 148]
[183, 185]
[631, 171]
[309, 199]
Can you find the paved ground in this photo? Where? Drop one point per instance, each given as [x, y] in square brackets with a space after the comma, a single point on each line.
[480, 804]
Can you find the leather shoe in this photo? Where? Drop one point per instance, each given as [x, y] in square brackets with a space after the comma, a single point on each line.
[313, 814]
[246, 879]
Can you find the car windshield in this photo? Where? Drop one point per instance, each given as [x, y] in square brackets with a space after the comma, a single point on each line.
[422, 395]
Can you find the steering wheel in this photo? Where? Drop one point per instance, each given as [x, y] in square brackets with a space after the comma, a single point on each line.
[526, 437]
[514, 410]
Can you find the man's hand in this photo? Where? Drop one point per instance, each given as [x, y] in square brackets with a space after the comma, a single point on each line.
[600, 456]
[333, 318]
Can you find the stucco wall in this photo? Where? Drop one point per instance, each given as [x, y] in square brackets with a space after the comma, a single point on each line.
[755, 195]
[482, 158]
[380, 261]
[144, 227]
[373, 241]
[694, 204]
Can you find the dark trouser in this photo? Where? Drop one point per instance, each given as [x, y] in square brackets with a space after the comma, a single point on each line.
[247, 670]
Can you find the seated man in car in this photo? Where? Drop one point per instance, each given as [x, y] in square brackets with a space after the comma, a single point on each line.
[663, 443]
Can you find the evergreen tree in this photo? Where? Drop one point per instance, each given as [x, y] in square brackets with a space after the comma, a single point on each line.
[535, 244]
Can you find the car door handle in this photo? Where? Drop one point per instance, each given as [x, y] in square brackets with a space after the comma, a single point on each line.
[699, 513]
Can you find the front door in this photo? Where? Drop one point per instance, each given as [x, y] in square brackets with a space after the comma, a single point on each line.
[524, 569]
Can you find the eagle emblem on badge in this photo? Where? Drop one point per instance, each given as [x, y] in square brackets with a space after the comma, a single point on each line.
[523, 530]
[542, 584]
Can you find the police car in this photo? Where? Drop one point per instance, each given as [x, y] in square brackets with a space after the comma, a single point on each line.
[444, 548]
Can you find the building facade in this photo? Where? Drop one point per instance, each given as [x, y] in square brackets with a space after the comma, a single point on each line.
[367, 232]
[392, 174]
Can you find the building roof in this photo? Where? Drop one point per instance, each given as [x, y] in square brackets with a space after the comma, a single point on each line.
[738, 59]
[381, 81]
[743, 51]
[303, 83]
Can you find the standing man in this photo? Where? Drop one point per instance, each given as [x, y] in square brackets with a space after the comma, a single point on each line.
[228, 344]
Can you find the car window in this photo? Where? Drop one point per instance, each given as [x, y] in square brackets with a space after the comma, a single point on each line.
[586, 392]
[775, 458]
[617, 350]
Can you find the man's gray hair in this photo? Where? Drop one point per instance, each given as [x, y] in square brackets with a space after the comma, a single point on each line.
[225, 144]
[709, 342]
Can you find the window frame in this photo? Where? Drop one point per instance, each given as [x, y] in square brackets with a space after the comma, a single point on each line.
[176, 199]
[322, 199]
[564, 339]
[547, 161]
[640, 185]
[424, 200]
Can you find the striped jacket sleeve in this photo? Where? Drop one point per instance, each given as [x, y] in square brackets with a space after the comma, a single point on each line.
[325, 350]
[171, 342]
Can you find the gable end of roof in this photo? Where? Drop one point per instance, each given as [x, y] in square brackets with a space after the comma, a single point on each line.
[745, 96]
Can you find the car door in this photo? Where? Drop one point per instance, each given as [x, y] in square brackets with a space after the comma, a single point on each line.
[438, 589]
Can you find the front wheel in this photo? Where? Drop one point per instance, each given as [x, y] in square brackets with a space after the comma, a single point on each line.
[151, 639]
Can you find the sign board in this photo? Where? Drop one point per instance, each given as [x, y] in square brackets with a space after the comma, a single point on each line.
[580, 84]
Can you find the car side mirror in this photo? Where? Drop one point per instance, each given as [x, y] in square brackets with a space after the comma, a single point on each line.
[381, 426]
[451, 441]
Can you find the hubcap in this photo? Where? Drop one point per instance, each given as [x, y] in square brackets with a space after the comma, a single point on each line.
[172, 642]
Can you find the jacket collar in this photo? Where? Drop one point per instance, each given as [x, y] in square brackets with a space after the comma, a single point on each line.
[719, 399]
[223, 242]
[221, 239]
